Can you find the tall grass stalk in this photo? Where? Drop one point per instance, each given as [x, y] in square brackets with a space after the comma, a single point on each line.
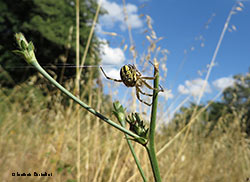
[79, 69]
[77, 91]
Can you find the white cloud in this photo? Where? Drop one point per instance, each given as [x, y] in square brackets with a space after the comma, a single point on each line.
[183, 90]
[223, 83]
[194, 87]
[109, 55]
[167, 94]
[116, 15]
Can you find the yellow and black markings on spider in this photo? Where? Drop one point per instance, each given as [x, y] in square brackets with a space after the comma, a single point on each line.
[131, 77]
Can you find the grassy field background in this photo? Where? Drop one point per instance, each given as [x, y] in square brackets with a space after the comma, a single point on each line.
[37, 133]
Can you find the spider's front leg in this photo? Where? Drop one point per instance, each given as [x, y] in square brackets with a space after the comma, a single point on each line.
[147, 85]
[152, 78]
[109, 77]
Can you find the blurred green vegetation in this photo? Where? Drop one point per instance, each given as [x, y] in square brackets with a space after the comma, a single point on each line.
[49, 24]
[235, 101]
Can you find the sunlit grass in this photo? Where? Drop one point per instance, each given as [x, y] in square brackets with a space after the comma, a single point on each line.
[37, 135]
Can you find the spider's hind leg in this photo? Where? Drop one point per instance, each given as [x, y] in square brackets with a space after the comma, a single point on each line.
[138, 91]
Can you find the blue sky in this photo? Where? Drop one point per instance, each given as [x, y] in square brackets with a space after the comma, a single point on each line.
[191, 30]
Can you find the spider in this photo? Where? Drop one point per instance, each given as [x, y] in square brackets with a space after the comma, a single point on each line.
[131, 77]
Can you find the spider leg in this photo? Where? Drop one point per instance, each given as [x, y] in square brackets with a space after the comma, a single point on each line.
[147, 85]
[144, 92]
[148, 78]
[109, 77]
[138, 72]
[138, 96]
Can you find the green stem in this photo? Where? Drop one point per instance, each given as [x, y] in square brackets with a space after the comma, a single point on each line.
[136, 159]
[134, 155]
[88, 108]
[151, 144]
[119, 113]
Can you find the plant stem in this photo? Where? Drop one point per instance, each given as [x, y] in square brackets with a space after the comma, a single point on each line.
[88, 108]
[133, 153]
[136, 159]
[151, 144]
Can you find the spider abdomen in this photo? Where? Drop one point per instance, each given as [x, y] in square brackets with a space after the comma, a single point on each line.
[128, 75]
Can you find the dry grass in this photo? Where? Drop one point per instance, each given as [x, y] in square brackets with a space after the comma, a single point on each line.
[37, 135]
[221, 156]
